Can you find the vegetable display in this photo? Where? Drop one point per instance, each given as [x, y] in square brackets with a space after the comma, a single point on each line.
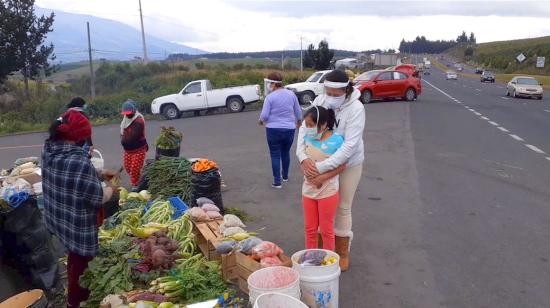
[203, 165]
[170, 177]
[169, 138]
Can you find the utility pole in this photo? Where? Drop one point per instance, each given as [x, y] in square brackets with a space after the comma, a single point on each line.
[145, 59]
[92, 75]
[301, 55]
[283, 60]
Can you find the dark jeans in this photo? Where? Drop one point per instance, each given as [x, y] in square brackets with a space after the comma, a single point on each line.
[279, 141]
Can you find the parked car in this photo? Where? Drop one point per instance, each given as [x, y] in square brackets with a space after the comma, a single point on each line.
[348, 63]
[409, 69]
[199, 95]
[524, 86]
[487, 76]
[383, 84]
[479, 70]
[451, 75]
[313, 86]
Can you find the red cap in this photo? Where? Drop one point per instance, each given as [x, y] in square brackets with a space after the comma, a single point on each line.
[75, 127]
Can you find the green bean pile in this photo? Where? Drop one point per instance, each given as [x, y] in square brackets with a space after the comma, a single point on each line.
[169, 177]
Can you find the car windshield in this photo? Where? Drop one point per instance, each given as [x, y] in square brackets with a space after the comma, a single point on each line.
[315, 77]
[451, 72]
[488, 73]
[366, 76]
[528, 81]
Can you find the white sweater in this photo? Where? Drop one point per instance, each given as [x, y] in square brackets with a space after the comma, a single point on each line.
[350, 123]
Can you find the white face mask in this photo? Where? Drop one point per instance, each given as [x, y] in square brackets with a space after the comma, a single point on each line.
[334, 102]
[312, 132]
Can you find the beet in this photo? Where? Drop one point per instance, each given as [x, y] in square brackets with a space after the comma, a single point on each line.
[163, 240]
[159, 257]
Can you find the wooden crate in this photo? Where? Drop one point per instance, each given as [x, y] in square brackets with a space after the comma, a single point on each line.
[207, 235]
[229, 267]
[246, 266]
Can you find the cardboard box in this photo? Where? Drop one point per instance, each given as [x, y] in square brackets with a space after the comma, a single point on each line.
[208, 236]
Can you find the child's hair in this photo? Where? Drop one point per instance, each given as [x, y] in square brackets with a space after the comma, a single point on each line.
[324, 116]
[55, 135]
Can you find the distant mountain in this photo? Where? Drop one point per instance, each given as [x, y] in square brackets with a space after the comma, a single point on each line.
[111, 39]
[261, 54]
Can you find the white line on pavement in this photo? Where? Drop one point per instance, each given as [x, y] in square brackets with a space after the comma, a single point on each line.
[477, 113]
[485, 118]
[548, 158]
[504, 97]
[493, 123]
[503, 129]
[479, 90]
[534, 148]
[518, 138]
[546, 110]
[22, 147]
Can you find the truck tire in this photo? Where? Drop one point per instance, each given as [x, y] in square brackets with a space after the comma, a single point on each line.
[170, 112]
[366, 97]
[306, 98]
[235, 104]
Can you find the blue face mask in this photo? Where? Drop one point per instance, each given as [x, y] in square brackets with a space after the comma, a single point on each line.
[313, 132]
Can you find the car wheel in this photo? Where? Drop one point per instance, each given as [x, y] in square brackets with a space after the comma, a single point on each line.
[235, 105]
[492, 81]
[410, 95]
[366, 97]
[197, 113]
[307, 98]
[507, 92]
[170, 112]
[514, 93]
[539, 98]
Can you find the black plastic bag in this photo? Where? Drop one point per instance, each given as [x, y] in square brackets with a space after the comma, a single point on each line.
[207, 185]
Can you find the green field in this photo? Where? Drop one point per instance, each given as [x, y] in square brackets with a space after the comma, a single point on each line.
[501, 55]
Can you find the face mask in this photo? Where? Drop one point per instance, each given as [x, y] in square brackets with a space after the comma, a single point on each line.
[311, 132]
[335, 102]
[85, 107]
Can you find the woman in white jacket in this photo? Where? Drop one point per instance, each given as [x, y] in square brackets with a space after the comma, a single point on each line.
[343, 98]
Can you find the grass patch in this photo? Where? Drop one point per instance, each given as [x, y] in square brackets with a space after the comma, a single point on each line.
[242, 214]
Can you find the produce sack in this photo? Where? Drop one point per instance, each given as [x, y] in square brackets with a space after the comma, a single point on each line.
[270, 261]
[202, 201]
[231, 220]
[266, 249]
[214, 214]
[246, 246]
[232, 230]
[226, 247]
[312, 257]
[209, 207]
[208, 185]
[198, 214]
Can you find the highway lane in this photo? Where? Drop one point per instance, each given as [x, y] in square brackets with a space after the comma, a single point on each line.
[484, 193]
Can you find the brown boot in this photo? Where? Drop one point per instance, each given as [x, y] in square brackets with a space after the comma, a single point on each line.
[319, 241]
[342, 249]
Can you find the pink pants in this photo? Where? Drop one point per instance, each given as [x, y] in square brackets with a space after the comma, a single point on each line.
[319, 214]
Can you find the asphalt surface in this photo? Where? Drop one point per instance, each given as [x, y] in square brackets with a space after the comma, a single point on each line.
[452, 211]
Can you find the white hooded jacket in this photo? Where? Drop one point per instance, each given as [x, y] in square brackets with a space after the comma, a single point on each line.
[350, 123]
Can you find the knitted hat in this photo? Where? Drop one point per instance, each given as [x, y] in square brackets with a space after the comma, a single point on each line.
[129, 107]
[74, 126]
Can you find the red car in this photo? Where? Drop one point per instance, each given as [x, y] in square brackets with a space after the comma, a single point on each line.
[400, 82]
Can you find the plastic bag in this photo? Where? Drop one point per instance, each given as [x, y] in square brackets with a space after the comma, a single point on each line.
[210, 207]
[266, 249]
[226, 247]
[312, 257]
[246, 246]
[202, 201]
[232, 230]
[198, 214]
[231, 220]
[213, 214]
[270, 261]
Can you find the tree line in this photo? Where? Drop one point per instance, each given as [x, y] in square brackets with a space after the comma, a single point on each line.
[22, 36]
[422, 45]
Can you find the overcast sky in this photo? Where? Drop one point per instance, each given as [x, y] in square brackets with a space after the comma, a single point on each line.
[243, 25]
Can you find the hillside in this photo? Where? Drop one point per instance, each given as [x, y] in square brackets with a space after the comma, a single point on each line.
[111, 39]
[501, 55]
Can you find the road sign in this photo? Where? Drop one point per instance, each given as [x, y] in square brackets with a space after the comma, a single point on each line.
[520, 57]
[540, 62]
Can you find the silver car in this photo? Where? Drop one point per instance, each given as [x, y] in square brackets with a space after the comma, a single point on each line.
[524, 86]
[451, 75]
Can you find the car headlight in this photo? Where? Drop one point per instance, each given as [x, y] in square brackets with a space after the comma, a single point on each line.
[521, 89]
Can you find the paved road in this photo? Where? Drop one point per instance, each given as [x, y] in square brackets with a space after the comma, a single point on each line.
[452, 211]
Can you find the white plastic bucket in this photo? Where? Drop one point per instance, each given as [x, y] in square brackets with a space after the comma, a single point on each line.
[319, 284]
[278, 300]
[98, 161]
[278, 279]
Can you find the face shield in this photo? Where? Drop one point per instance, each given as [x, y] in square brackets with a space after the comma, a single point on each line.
[268, 85]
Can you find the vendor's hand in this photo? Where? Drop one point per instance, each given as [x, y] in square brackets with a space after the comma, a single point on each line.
[108, 175]
[92, 148]
[317, 181]
[260, 122]
[309, 168]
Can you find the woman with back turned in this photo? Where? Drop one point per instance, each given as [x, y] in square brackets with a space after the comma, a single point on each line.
[281, 115]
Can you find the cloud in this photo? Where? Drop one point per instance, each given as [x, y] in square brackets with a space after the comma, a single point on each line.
[235, 25]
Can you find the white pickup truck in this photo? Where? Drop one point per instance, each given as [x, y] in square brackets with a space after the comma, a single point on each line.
[198, 95]
[309, 89]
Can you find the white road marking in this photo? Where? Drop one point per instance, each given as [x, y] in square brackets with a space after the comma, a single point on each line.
[535, 149]
[477, 113]
[479, 90]
[493, 123]
[504, 97]
[546, 110]
[518, 138]
[503, 129]
[22, 147]
[485, 118]
[548, 158]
